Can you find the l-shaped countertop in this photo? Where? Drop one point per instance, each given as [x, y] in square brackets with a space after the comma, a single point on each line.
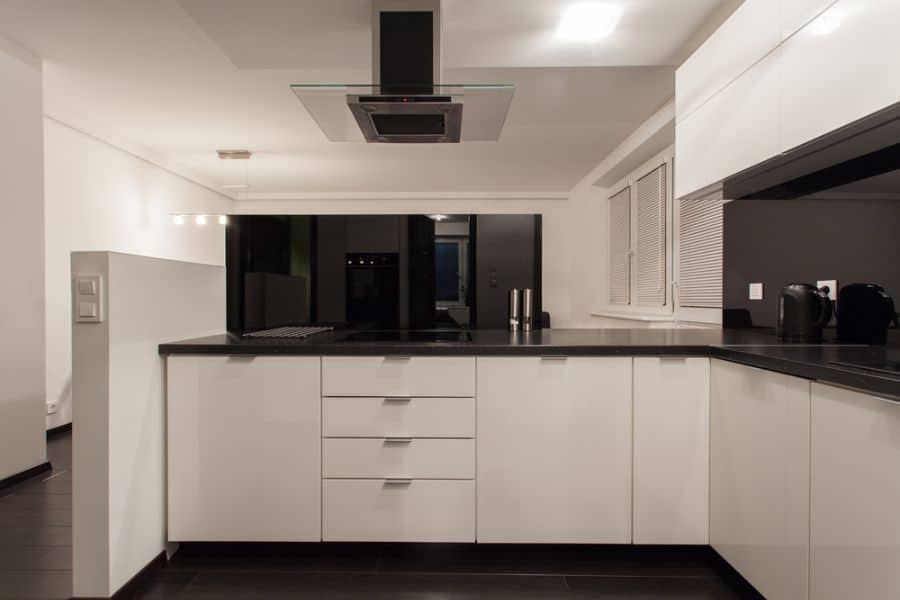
[828, 363]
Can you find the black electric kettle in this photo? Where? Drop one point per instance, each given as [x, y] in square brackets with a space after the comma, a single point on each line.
[803, 311]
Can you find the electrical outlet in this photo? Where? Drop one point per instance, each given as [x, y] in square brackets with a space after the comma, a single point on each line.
[52, 408]
[832, 286]
[756, 291]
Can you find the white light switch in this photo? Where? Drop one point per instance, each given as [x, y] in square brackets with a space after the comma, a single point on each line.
[87, 287]
[88, 299]
[87, 310]
[756, 291]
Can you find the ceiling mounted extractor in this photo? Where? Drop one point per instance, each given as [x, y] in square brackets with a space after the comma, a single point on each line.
[408, 102]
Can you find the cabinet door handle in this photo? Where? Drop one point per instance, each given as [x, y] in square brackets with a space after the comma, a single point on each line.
[397, 357]
[397, 398]
[398, 480]
[554, 357]
[398, 439]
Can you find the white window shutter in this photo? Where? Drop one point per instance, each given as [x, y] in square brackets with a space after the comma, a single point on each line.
[620, 248]
[651, 238]
[700, 250]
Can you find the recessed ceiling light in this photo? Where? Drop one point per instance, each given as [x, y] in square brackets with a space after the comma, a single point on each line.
[438, 218]
[200, 219]
[178, 219]
[589, 21]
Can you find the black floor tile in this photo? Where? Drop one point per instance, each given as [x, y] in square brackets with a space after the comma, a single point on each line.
[35, 558]
[38, 535]
[651, 588]
[16, 500]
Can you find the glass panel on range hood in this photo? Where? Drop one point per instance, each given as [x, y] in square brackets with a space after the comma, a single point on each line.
[484, 107]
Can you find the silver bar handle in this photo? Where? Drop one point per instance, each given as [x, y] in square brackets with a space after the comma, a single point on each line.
[398, 439]
[398, 480]
[397, 398]
[554, 357]
[398, 357]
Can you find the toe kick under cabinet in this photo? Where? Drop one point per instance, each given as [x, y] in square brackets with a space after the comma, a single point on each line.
[398, 449]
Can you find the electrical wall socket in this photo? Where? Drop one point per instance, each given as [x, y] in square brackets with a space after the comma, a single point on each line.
[52, 408]
[832, 285]
[756, 291]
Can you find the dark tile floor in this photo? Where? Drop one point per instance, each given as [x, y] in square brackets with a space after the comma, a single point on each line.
[36, 562]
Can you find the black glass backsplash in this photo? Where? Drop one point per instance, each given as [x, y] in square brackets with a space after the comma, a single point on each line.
[379, 271]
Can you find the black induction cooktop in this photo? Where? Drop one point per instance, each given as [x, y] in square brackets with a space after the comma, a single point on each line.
[409, 336]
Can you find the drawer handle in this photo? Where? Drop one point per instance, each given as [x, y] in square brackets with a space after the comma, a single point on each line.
[398, 439]
[397, 357]
[554, 357]
[397, 398]
[398, 480]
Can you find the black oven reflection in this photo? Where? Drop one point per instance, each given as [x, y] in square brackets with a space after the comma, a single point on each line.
[373, 287]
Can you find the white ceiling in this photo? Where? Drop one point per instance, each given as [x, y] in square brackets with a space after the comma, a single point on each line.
[179, 79]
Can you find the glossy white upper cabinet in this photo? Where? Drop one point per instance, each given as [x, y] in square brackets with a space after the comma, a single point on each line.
[671, 450]
[244, 448]
[759, 477]
[855, 520]
[839, 68]
[554, 450]
[735, 129]
[746, 37]
[795, 14]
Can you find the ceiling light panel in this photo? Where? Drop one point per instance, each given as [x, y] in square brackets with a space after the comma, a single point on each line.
[589, 21]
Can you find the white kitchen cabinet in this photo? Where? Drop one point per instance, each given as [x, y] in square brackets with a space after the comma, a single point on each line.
[421, 458]
[418, 510]
[413, 417]
[747, 36]
[399, 376]
[795, 14]
[554, 449]
[759, 476]
[855, 496]
[671, 450]
[834, 78]
[244, 448]
[734, 130]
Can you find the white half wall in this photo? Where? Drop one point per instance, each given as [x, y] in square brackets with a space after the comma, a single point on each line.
[22, 439]
[99, 197]
[118, 385]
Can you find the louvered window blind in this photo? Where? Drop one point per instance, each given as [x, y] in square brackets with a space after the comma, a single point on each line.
[651, 238]
[700, 251]
[620, 248]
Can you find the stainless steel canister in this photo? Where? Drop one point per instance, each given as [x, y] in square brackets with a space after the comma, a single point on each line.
[514, 310]
[527, 309]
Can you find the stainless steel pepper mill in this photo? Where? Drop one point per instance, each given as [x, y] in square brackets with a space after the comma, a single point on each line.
[527, 309]
[514, 314]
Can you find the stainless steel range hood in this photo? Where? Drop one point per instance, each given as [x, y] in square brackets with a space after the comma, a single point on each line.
[409, 104]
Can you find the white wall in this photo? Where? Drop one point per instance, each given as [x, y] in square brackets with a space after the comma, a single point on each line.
[22, 441]
[99, 197]
[119, 501]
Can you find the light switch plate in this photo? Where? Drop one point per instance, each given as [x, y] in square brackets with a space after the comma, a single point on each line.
[756, 291]
[87, 299]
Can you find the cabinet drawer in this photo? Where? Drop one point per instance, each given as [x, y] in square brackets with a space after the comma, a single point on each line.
[373, 510]
[398, 376]
[414, 417]
[417, 458]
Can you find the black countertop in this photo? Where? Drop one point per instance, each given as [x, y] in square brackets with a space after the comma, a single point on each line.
[754, 348]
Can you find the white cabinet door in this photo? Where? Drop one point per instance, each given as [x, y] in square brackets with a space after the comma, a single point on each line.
[747, 36]
[795, 14]
[855, 496]
[244, 448]
[734, 130]
[554, 450]
[399, 376]
[671, 450]
[840, 72]
[759, 477]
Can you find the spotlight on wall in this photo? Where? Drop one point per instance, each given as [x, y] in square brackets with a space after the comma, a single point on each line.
[178, 219]
[200, 219]
[223, 220]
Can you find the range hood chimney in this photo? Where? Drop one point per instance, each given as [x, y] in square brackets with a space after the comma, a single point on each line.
[408, 103]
